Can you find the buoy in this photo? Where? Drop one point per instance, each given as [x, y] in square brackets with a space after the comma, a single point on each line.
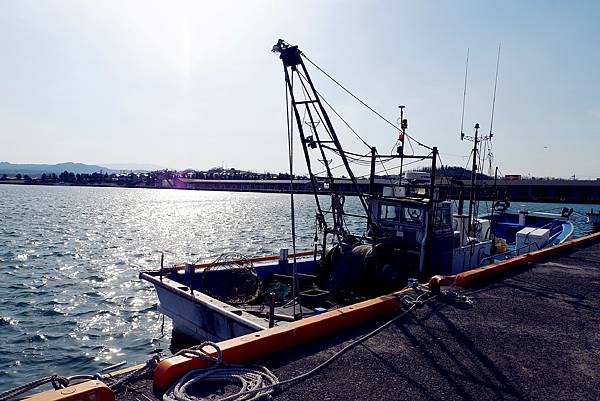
[437, 281]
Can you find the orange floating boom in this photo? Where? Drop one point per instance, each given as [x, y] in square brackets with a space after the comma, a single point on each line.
[487, 273]
[91, 390]
[256, 345]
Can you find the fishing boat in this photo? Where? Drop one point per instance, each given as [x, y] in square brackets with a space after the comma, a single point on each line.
[526, 231]
[410, 234]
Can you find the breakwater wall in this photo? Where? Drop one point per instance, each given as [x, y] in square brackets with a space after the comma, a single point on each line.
[544, 191]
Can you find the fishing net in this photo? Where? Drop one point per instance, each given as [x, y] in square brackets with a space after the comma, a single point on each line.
[231, 278]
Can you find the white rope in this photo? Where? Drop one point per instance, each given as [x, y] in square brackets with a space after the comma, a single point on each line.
[254, 382]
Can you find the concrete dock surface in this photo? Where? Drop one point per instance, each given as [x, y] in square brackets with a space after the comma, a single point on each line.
[532, 335]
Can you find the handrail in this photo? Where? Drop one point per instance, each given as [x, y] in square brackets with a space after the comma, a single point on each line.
[528, 246]
[253, 260]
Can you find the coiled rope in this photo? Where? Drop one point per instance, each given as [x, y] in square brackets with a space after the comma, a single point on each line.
[254, 382]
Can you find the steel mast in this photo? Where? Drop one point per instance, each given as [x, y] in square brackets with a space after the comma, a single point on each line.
[295, 69]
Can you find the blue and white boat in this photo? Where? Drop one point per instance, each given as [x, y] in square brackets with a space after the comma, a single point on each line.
[527, 231]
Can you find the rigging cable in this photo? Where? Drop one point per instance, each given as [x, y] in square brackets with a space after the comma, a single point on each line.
[362, 102]
[495, 86]
[462, 120]
[494, 107]
[290, 129]
[337, 203]
[336, 113]
[394, 167]
[389, 177]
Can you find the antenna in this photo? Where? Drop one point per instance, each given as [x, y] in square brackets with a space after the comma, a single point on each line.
[462, 119]
[491, 156]
[495, 86]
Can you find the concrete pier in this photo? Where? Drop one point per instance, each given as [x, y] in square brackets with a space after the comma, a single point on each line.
[530, 334]
[534, 335]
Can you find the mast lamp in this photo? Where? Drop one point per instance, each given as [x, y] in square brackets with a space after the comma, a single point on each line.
[290, 55]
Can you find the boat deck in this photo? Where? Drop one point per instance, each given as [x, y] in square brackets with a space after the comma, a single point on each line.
[534, 335]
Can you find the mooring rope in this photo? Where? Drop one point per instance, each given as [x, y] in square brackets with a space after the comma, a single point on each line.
[138, 374]
[56, 380]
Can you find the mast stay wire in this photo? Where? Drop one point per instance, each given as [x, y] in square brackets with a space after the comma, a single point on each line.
[355, 160]
[408, 139]
[448, 181]
[495, 87]
[462, 119]
[356, 155]
[337, 114]
[306, 109]
[394, 167]
[290, 129]
[339, 220]
[494, 107]
[362, 102]
[358, 158]
[386, 172]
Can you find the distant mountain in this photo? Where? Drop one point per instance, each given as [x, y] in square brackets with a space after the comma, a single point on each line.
[36, 170]
[136, 167]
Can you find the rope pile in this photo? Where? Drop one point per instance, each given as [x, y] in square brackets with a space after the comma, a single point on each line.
[255, 382]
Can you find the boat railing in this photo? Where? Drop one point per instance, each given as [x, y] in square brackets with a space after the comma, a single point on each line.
[509, 254]
[259, 259]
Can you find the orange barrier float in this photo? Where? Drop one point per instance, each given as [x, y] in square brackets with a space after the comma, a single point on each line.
[91, 390]
[486, 273]
[256, 345]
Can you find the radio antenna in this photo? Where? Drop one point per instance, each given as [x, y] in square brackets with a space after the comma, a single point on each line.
[491, 156]
[495, 86]
[462, 119]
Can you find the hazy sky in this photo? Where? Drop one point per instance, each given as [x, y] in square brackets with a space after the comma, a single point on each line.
[194, 84]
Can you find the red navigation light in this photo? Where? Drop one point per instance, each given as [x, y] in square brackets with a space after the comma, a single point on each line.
[401, 136]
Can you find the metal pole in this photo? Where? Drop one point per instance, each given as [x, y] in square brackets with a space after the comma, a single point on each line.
[371, 192]
[162, 262]
[492, 236]
[403, 137]
[473, 176]
[433, 168]
[272, 309]
[430, 214]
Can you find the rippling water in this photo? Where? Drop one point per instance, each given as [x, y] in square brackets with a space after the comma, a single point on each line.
[70, 257]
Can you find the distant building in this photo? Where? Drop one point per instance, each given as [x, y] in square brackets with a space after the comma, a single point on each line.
[513, 177]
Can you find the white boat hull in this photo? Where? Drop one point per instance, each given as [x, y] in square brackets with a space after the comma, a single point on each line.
[199, 316]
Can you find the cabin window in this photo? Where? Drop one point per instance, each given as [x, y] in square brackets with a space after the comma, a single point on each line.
[388, 213]
[442, 219]
[412, 215]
